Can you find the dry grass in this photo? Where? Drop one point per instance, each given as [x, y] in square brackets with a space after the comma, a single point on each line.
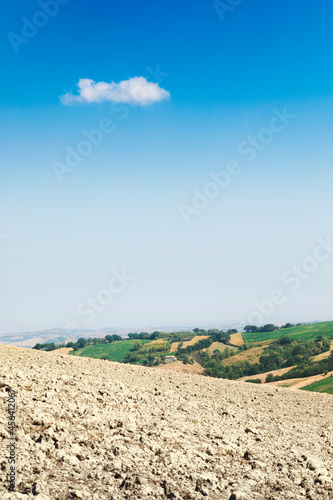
[194, 340]
[236, 339]
[174, 346]
[297, 383]
[262, 376]
[252, 356]
[220, 347]
[158, 341]
[323, 355]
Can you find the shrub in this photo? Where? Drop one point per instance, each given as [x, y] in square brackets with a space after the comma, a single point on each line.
[81, 342]
[186, 360]
[137, 345]
[285, 340]
[254, 381]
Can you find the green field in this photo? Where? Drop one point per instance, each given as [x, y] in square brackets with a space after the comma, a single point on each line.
[116, 351]
[325, 385]
[305, 332]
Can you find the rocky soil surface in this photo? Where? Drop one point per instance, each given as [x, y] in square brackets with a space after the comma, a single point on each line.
[91, 429]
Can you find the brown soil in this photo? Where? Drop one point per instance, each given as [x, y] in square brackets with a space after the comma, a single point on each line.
[178, 366]
[94, 430]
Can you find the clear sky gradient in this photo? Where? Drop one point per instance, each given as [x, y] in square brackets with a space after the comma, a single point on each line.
[231, 75]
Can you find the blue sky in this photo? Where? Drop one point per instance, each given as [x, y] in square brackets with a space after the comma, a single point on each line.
[121, 206]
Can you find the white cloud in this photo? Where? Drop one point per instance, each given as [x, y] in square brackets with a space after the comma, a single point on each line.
[136, 90]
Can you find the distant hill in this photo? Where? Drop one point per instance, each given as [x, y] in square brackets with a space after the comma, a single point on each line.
[57, 335]
[304, 332]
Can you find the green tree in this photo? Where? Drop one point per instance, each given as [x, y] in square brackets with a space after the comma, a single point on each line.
[250, 328]
[113, 338]
[137, 345]
[186, 360]
[81, 342]
[268, 328]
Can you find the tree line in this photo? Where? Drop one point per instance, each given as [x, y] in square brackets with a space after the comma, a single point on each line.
[282, 353]
[269, 327]
[79, 344]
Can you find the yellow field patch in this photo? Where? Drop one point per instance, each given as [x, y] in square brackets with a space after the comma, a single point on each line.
[219, 346]
[262, 376]
[157, 341]
[323, 355]
[251, 355]
[194, 340]
[236, 339]
[174, 345]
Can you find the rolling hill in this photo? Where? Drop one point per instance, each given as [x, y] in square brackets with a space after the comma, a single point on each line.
[325, 385]
[93, 430]
[304, 332]
[113, 352]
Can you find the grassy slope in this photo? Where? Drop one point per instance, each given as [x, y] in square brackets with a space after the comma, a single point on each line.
[251, 355]
[116, 351]
[305, 332]
[325, 385]
[220, 347]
